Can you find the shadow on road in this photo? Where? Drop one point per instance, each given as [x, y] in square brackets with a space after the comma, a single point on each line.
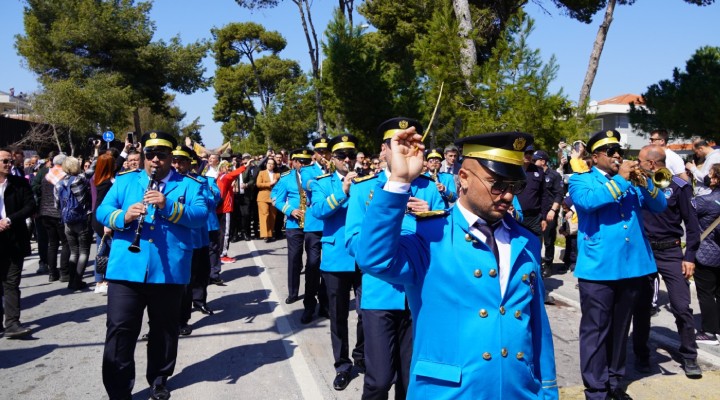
[15, 357]
[237, 306]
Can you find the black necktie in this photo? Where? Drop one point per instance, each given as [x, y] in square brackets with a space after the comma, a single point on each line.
[489, 233]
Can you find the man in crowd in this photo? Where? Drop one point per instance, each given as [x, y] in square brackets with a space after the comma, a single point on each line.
[673, 161]
[552, 196]
[700, 175]
[472, 269]
[152, 275]
[665, 232]
[16, 204]
[614, 260]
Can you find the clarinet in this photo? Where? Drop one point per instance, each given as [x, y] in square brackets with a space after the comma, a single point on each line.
[135, 246]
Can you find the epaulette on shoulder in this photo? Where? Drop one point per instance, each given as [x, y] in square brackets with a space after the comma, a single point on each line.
[285, 173]
[196, 179]
[128, 171]
[364, 178]
[679, 181]
[322, 176]
[425, 215]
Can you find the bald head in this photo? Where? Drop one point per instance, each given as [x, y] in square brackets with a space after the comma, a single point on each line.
[653, 153]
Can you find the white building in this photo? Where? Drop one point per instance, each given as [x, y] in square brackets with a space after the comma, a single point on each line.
[13, 106]
[613, 114]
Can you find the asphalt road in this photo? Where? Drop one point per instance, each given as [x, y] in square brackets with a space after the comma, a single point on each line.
[254, 347]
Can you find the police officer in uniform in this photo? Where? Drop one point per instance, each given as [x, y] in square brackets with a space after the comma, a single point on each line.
[195, 295]
[614, 260]
[552, 197]
[387, 322]
[330, 204]
[665, 231]
[471, 275]
[154, 275]
[322, 153]
[302, 228]
[444, 181]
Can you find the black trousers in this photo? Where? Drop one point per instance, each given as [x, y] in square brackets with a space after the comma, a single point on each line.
[607, 308]
[549, 236]
[214, 250]
[126, 304]
[707, 283]
[339, 285]
[388, 351]
[570, 256]
[56, 238]
[42, 241]
[241, 216]
[195, 293]
[669, 264]
[296, 239]
[11, 265]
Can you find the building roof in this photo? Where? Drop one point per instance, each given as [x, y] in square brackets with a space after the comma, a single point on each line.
[623, 99]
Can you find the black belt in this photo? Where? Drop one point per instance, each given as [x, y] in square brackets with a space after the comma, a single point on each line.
[665, 245]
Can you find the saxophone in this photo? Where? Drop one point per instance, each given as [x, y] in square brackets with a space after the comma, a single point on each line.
[303, 208]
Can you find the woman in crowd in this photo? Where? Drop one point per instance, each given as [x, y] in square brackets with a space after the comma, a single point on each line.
[77, 227]
[707, 261]
[102, 180]
[50, 217]
[266, 179]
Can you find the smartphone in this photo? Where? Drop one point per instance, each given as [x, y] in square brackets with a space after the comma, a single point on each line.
[131, 137]
[579, 146]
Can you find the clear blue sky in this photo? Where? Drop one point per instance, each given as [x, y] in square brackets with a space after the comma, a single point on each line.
[646, 41]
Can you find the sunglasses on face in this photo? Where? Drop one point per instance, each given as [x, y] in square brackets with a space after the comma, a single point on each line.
[6, 161]
[500, 187]
[612, 151]
[341, 155]
[161, 155]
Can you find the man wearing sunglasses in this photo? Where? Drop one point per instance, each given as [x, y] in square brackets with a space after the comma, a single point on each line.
[16, 204]
[170, 206]
[471, 274]
[614, 260]
[387, 323]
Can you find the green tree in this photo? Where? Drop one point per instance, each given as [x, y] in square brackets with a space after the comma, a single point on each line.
[77, 40]
[688, 104]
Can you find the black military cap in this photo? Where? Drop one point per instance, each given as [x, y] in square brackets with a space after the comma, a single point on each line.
[183, 151]
[320, 143]
[501, 153]
[299, 154]
[342, 142]
[158, 139]
[608, 138]
[390, 127]
[434, 153]
[541, 155]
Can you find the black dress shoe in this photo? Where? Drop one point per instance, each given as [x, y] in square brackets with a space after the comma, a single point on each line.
[619, 394]
[342, 379]
[185, 330]
[324, 313]
[159, 392]
[291, 299]
[269, 240]
[217, 281]
[42, 269]
[53, 277]
[204, 309]
[692, 369]
[307, 316]
[642, 365]
[16, 331]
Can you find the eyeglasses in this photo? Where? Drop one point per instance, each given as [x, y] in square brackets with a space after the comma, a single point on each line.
[500, 187]
[341, 155]
[657, 139]
[613, 151]
[6, 161]
[161, 155]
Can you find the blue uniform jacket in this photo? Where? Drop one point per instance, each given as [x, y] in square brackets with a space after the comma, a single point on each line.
[287, 198]
[611, 239]
[378, 294]
[201, 238]
[450, 194]
[213, 224]
[330, 205]
[469, 341]
[166, 240]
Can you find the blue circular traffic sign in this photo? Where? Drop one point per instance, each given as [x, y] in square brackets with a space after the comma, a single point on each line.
[108, 136]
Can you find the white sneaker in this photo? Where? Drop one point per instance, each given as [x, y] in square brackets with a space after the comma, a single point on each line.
[101, 288]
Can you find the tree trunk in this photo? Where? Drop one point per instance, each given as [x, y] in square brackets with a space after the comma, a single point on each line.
[57, 138]
[314, 60]
[70, 142]
[136, 122]
[468, 54]
[595, 57]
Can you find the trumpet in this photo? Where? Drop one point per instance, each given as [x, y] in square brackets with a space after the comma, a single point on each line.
[660, 178]
[135, 246]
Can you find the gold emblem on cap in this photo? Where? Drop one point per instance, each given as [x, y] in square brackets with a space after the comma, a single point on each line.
[153, 135]
[323, 140]
[403, 124]
[344, 138]
[519, 144]
[178, 148]
[609, 133]
[305, 152]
